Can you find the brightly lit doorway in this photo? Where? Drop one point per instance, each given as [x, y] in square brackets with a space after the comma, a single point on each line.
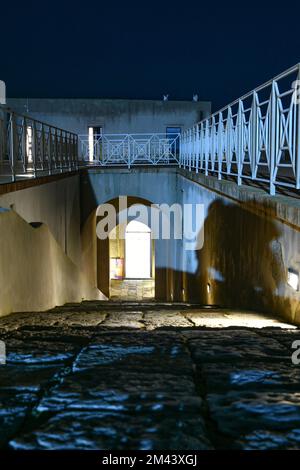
[137, 251]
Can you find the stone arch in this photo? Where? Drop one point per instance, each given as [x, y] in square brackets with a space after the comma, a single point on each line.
[96, 258]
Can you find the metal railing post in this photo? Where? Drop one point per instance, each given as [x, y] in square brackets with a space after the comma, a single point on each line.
[220, 147]
[179, 150]
[272, 138]
[239, 143]
[207, 146]
[254, 134]
[184, 149]
[128, 157]
[33, 147]
[296, 98]
[76, 149]
[213, 143]
[190, 148]
[42, 146]
[24, 144]
[50, 162]
[197, 147]
[229, 140]
[12, 155]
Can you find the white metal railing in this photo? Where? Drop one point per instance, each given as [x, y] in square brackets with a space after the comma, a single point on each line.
[29, 147]
[129, 149]
[256, 137]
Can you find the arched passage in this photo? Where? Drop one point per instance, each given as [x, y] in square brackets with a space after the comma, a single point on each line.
[141, 186]
[167, 272]
[126, 260]
[132, 262]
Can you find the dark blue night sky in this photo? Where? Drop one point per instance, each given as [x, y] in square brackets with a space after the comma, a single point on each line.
[219, 50]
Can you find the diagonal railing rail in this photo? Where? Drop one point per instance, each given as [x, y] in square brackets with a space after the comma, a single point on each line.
[257, 137]
[29, 147]
[130, 149]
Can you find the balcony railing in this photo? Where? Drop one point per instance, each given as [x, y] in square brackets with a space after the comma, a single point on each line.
[129, 149]
[257, 137]
[32, 148]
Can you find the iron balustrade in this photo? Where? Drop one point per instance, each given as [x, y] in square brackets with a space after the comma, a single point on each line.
[257, 137]
[129, 149]
[29, 147]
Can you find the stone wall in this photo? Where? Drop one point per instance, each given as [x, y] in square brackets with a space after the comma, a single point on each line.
[250, 242]
[35, 273]
[56, 204]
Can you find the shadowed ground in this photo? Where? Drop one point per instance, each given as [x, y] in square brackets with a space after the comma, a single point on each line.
[148, 376]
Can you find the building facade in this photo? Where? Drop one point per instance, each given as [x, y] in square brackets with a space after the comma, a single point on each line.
[114, 116]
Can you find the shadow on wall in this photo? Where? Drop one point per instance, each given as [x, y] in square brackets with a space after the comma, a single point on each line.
[35, 273]
[241, 264]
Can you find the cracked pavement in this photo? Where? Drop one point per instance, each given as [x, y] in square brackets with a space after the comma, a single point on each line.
[109, 375]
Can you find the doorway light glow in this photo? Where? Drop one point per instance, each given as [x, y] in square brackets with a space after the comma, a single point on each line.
[91, 144]
[293, 279]
[138, 251]
[29, 143]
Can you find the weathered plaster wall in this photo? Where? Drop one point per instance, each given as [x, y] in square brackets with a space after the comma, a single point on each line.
[117, 243]
[250, 241]
[114, 116]
[89, 249]
[56, 204]
[35, 273]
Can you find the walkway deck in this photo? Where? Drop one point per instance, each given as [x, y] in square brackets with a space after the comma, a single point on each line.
[148, 376]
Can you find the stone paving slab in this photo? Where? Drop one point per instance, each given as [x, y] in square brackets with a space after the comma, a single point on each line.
[11, 419]
[71, 397]
[285, 337]
[224, 318]
[270, 440]
[101, 375]
[38, 352]
[130, 351]
[238, 413]
[123, 320]
[85, 319]
[250, 376]
[14, 406]
[107, 430]
[223, 333]
[65, 318]
[239, 346]
[65, 334]
[26, 378]
[165, 319]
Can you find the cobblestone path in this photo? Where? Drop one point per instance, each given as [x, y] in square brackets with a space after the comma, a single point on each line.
[148, 376]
